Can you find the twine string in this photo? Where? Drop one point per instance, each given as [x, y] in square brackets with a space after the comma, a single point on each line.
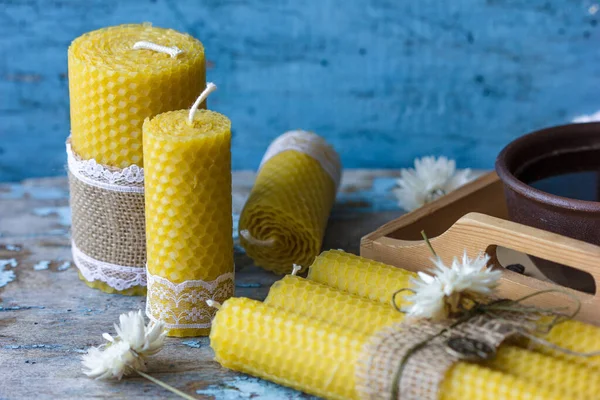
[173, 51]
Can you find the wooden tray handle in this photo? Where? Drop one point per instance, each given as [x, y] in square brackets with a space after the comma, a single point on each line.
[477, 232]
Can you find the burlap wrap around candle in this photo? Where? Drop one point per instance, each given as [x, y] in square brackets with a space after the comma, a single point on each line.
[188, 218]
[284, 219]
[118, 76]
[409, 360]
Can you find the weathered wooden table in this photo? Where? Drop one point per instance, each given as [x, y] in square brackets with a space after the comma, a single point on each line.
[48, 317]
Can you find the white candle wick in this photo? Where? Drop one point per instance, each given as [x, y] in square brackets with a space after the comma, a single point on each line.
[245, 233]
[296, 268]
[173, 51]
[214, 304]
[210, 87]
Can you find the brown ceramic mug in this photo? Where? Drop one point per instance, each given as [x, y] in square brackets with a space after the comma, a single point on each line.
[552, 181]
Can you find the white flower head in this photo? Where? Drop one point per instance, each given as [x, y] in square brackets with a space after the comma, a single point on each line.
[127, 351]
[430, 179]
[436, 295]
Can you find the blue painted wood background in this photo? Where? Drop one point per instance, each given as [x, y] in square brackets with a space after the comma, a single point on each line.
[384, 80]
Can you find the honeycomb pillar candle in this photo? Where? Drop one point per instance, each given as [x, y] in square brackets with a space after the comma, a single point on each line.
[324, 303]
[118, 76]
[378, 281]
[188, 217]
[322, 359]
[284, 219]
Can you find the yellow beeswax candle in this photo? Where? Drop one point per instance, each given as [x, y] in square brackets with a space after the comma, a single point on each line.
[312, 299]
[188, 218]
[378, 281]
[284, 219]
[113, 87]
[320, 358]
[323, 303]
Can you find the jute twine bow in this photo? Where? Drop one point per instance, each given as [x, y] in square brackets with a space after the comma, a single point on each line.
[409, 360]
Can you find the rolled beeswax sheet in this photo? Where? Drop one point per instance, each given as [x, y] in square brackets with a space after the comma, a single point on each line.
[324, 303]
[108, 239]
[321, 359]
[114, 87]
[378, 281]
[284, 219]
[188, 218]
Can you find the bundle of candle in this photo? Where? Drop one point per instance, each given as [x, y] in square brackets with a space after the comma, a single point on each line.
[284, 219]
[118, 76]
[305, 336]
[188, 217]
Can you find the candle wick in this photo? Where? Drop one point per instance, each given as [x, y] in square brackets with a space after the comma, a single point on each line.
[210, 87]
[245, 233]
[296, 268]
[173, 51]
[214, 304]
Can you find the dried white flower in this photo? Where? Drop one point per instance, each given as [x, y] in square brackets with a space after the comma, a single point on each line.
[431, 179]
[127, 351]
[436, 295]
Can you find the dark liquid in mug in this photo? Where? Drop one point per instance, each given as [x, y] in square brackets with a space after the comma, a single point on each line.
[583, 185]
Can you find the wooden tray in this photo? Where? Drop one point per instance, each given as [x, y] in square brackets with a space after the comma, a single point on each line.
[474, 218]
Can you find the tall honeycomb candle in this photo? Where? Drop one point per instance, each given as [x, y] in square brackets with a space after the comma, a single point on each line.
[188, 218]
[321, 359]
[118, 76]
[284, 219]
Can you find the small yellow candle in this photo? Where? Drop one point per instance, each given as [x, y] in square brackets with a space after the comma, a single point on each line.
[113, 87]
[378, 281]
[188, 218]
[323, 303]
[284, 219]
[320, 358]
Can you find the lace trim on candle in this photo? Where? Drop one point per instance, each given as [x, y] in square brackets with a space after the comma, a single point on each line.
[118, 277]
[310, 144]
[130, 179]
[183, 305]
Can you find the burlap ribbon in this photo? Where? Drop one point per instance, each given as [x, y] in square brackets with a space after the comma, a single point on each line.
[409, 360]
[108, 226]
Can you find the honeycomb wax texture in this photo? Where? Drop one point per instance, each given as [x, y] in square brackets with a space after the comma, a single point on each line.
[312, 299]
[323, 303]
[287, 209]
[320, 358]
[378, 281]
[188, 215]
[113, 88]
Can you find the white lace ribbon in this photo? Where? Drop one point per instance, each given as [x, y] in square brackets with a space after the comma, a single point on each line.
[183, 305]
[116, 276]
[310, 144]
[128, 180]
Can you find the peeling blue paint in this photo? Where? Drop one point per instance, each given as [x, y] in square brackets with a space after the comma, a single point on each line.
[236, 223]
[196, 344]
[63, 213]
[12, 247]
[18, 191]
[248, 387]
[64, 266]
[20, 308]
[7, 275]
[379, 197]
[41, 266]
[247, 284]
[32, 346]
